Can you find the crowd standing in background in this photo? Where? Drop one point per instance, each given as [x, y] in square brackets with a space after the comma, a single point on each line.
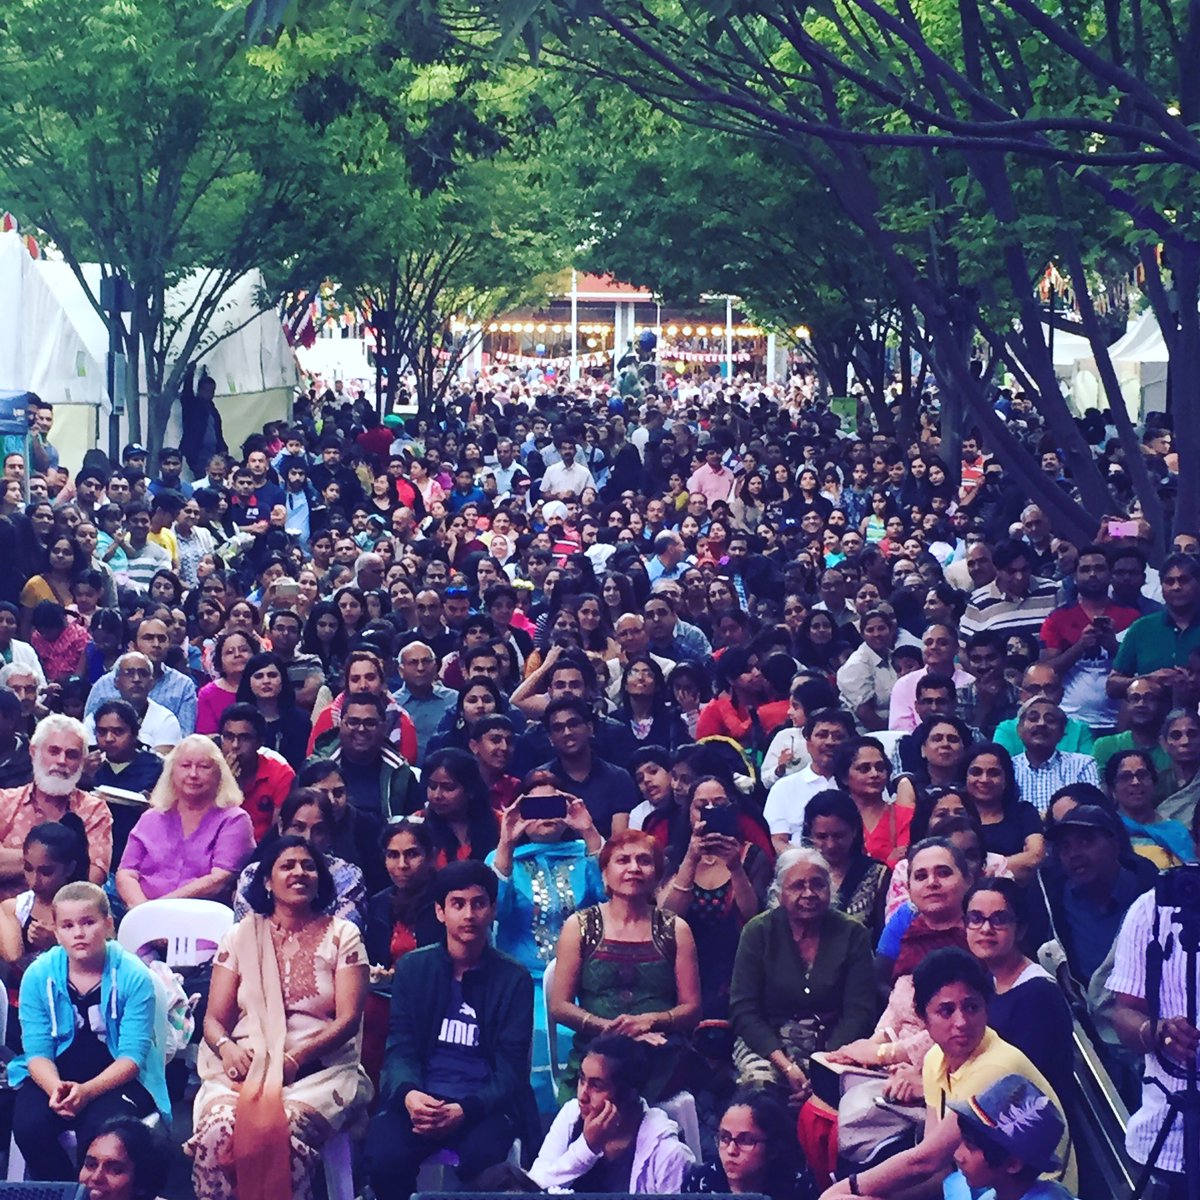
[573, 751]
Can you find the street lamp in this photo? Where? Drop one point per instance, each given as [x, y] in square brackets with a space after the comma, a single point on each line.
[116, 298]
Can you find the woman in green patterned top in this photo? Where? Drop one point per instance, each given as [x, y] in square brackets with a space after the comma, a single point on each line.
[626, 966]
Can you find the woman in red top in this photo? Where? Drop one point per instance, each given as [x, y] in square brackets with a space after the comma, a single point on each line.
[58, 637]
[862, 770]
[458, 807]
[743, 710]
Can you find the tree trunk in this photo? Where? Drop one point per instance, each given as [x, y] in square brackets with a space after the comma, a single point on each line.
[1182, 382]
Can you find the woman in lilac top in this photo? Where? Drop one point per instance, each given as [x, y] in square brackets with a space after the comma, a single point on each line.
[233, 650]
[196, 836]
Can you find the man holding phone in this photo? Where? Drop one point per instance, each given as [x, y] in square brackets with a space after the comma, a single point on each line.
[1080, 642]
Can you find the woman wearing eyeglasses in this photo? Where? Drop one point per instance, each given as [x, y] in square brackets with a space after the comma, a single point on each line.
[1132, 779]
[756, 1152]
[1029, 1010]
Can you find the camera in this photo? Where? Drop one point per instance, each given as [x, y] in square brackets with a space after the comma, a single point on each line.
[1179, 888]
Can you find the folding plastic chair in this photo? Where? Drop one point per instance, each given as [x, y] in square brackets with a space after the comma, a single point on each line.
[182, 924]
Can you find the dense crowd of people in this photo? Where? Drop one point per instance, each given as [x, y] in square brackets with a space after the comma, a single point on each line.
[575, 756]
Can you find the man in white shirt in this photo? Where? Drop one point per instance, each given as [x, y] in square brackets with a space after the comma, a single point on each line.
[867, 677]
[566, 480]
[159, 728]
[507, 470]
[826, 730]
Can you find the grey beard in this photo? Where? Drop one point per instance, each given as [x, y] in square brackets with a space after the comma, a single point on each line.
[54, 785]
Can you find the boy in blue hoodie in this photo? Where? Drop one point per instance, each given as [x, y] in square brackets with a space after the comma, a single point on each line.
[88, 1025]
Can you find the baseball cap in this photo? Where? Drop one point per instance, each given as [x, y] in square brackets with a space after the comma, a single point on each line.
[133, 448]
[1084, 816]
[1016, 1117]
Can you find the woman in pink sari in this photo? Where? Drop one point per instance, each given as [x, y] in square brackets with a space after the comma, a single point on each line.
[280, 1064]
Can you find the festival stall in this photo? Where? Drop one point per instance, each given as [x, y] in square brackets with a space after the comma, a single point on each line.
[54, 342]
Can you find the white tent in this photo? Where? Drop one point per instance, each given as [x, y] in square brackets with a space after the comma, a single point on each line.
[1139, 359]
[51, 345]
[54, 342]
[1069, 348]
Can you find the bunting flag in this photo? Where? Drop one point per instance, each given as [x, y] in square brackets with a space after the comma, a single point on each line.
[31, 244]
[562, 363]
[740, 356]
[7, 222]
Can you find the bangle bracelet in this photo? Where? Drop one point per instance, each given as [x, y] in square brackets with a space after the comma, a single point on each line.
[288, 1054]
[678, 887]
[220, 1042]
[853, 1181]
[881, 1054]
[1142, 1035]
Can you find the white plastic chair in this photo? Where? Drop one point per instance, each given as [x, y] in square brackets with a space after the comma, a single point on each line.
[681, 1107]
[551, 1024]
[183, 924]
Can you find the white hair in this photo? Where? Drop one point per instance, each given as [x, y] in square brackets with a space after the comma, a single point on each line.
[795, 857]
[425, 646]
[127, 658]
[16, 670]
[57, 723]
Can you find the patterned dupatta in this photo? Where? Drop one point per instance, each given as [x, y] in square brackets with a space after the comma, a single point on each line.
[261, 1140]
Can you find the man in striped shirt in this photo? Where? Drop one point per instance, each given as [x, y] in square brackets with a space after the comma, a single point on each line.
[1014, 602]
[144, 557]
[1166, 1033]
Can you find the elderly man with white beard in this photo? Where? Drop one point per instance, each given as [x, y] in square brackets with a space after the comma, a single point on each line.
[57, 748]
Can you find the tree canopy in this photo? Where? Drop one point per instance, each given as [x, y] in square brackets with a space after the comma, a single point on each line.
[969, 145]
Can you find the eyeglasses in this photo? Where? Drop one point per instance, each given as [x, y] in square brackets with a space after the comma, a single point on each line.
[367, 723]
[996, 920]
[567, 726]
[743, 1141]
[1133, 776]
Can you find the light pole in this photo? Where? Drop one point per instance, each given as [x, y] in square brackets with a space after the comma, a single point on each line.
[116, 298]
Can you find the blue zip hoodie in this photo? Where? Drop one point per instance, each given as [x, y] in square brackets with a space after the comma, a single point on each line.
[128, 1000]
